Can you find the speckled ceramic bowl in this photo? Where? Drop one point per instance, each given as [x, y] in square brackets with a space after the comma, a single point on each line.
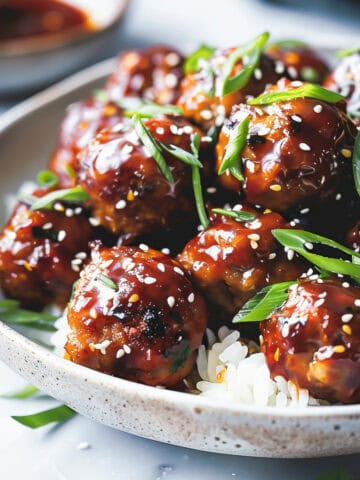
[27, 137]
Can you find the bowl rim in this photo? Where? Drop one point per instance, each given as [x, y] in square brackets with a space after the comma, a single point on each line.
[23, 47]
[37, 102]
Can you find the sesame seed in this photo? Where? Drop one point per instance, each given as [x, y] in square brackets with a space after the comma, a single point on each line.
[83, 446]
[120, 205]
[143, 247]
[179, 271]
[95, 222]
[171, 80]
[165, 251]
[188, 129]
[254, 236]
[191, 298]
[322, 295]
[211, 190]
[346, 329]
[161, 267]
[345, 152]
[285, 330]
[296, 118]
[357, 302]
[81, 255]
[339, 349]
[258, 74]
[305, 210]
[101, 346]
[120, 353]
[172, 59]
[275, 187]
[134, 298]
[170, 301]
[173, 129]
[293, 74]
[279, 67]
[318, 108]
[319, 302]
[304, 146]
[272, 256]
[58, 207]
[76, 261]
[61, 235]
[308, 245]
[206, 114]
[47, 226]
[254, 245]
[160, 130]
[149, 280]
[78, 210]
[69, 212]
[296, 83]
[346, 284]
[290, 254]
[347, 317]
[338, 196]
[126, 348]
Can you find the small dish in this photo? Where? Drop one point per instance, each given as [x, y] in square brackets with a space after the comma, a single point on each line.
[33, 62]
[163, 415]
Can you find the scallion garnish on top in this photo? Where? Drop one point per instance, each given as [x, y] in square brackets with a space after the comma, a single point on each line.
[149, 110]
[197, 187]
[308, 90]
[250, 55]
[46, 178]
[232, 160]
[73, 195]
[240, 216]
[356, 163]
[191, 64]
[106, 281]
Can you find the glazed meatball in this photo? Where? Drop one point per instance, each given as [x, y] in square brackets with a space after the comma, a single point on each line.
[230, 261]
[298, 62]
[345, 79]
[153, 74]
[298, 152]
[201, 92]
[135, 315]
[82, 122]
[128, 193]
[41, 253]
[314, 340]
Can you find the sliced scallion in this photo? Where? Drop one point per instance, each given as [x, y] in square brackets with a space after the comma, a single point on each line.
[305, 91]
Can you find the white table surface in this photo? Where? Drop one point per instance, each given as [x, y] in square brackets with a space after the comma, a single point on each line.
[51, 453]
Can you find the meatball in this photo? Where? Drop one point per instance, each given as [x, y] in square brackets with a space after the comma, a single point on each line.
[201, 92]
[153, 74]
[298, 152]
[314, 340]
[135, 314]
[41, 253]
[353, 237]
[83, 121]
[298, 62]
[128, 193]
[345, 79]
[230, 261]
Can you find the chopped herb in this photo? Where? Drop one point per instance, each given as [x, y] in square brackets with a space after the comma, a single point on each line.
[46, 178]
[54, 415]
[151, 146]
[232, 158]
[191, 64]
[70, 171]
[305, 91]
[250, 55]
[149, 110]
[289, 44]
[297, 240]
[261, 305]
[196, 181]
[179, 358]
[347, 52]
[356, 163]
[239, 216]
[183, 155]
[73, 195]
[214, 132]
[23, 393]
[310, 74]
[27, 318]
[107, 281]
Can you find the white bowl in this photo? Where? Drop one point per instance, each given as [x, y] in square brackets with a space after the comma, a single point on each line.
[30, 63]
[27, 137]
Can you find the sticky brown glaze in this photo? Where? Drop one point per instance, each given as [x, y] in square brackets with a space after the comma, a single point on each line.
[146, 328]
[128, 193]
[41, 253]
[297, 152]
[314, 340]
[353, 237]
[298, 63]
[153, 74]
[201, 92]
[82, 122]
[230, 261]
[345, 79]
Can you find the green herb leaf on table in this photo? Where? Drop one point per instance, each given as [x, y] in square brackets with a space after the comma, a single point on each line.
[356, 163]
[27, 318]
[191, 64]
[305, 91]
[46, 178]
[106, 281]
[237, 215]
[250, 55]
[232, 158]
[151, 146]
[300, 240]
[23, 393]
[263, 303]
[54, 415]
[73, 195]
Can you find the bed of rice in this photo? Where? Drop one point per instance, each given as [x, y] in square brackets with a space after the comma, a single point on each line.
[230, 371]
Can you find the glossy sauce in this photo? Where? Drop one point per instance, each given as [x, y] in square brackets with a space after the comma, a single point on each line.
[25, 18]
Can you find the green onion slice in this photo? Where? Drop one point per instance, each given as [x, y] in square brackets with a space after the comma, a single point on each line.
[196, 181]
[289, 44]
[250, 54]
[239, 216]
[149, 110]
[73, 195]
[23, 393]
[305, 91]
[356, 163]
[347, 52]
[151, 146]
[261, 305]
[299, 241]
[232, 157]
[54, 415]
[107, 281]
[183, 155]
[191, 64]
[46, 178]
[310, 74]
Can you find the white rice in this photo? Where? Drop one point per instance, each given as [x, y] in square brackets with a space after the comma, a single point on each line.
[229, 373]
